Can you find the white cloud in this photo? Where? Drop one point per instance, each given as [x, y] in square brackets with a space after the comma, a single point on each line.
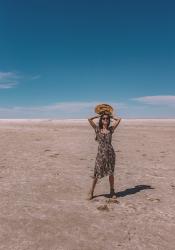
[11, 79]
[8, 79]
[78, 106]
[5, 75]
[35, 77]
[62, 110]
[56, 110]
[165, 100]
[8, 85]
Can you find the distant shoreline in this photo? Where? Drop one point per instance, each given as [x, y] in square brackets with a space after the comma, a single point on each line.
[84, 120]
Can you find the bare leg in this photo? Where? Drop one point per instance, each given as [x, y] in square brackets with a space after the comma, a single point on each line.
[94, 184]
[90, 194]
[111, 181]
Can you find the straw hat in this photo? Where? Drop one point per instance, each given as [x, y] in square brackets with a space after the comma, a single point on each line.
[103, 108]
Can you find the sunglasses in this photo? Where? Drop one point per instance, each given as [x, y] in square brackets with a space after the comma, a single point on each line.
[105, 118]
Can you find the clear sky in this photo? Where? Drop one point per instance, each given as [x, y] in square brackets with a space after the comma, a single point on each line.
[58, 59]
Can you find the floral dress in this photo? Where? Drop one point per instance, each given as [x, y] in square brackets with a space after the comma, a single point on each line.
[105, 159]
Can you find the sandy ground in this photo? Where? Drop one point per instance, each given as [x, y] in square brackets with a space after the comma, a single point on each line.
[45, 169]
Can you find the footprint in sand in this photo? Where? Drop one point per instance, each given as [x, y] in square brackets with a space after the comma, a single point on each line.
[95, 200]
[54, 155]
[2, 166]
[163, 152]
[112, 200]
[47, 150]
[154, 199]
[151, 159]
[103, 208]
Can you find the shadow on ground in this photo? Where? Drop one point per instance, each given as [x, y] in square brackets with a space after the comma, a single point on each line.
[127, 191]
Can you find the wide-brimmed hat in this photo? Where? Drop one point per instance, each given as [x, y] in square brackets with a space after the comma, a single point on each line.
[103, 108]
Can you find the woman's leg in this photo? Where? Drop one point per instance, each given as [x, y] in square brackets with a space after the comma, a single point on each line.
[90, 194]
[94, 184]
[111, 181]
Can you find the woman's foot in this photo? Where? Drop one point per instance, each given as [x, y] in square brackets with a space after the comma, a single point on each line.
[90, 195]
[112, 193]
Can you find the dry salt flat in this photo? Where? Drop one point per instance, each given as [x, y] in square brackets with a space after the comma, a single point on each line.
[45, 174]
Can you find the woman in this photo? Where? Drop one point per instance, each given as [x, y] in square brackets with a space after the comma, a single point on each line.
[105, 159]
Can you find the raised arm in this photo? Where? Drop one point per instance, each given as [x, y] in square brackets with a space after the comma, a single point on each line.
[118, 119]
[91, 121]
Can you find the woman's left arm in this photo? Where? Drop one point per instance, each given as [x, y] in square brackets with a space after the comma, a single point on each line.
[117, 119]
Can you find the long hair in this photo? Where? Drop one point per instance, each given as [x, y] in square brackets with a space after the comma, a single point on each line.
[100, 124]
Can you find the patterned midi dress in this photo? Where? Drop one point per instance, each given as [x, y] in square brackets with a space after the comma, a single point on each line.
[105, 159]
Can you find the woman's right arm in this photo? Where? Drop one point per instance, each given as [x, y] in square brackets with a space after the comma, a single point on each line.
[91, 121]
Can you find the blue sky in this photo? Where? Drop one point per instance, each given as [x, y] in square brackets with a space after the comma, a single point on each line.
[58, 59]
